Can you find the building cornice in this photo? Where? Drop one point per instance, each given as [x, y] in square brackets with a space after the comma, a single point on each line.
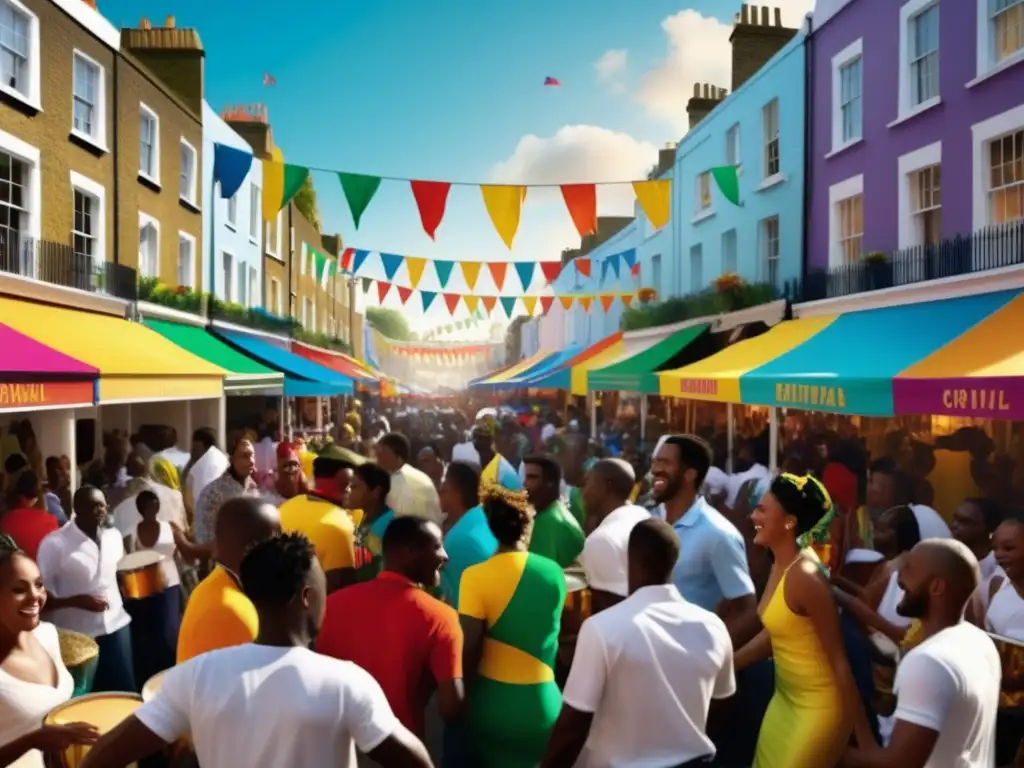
[47, 293]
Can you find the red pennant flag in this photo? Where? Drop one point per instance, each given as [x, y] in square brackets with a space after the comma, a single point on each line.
[550, 270]
[404, 293]
[635, 270]
[431, 199]
[490, 302]
[452, 300]
[607, 299]
[498, 270]
[346, 259]
[545, 304]
[382, 291]
[581, 200]
[583, 266]
[585, 302]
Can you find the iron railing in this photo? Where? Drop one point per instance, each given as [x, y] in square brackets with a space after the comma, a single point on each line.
[994, 247]
[59, 264]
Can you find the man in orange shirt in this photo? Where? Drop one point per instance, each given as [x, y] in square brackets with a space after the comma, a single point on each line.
[409, 641]
[27, 523]
[218, 614]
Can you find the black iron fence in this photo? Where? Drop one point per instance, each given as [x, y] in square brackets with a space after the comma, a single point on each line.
[59, 264]
[994, 247]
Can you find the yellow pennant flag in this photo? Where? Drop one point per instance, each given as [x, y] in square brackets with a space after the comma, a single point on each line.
[472, 302]
[504, 204]
[471, 271]
[416, 266]
[655, 199]
[273, 184]
[529, 304]
[585, 302]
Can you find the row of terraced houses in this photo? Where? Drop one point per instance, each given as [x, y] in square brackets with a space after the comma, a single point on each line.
[106, 179]
[880, 155]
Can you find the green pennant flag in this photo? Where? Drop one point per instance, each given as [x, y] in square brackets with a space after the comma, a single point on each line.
[359, 191]
[367, 282]
[728, 182]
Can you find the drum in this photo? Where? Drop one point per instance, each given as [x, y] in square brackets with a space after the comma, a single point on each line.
[1011, 689]
[80, 655]
[103, 710]
[141, 575]
[575, 611]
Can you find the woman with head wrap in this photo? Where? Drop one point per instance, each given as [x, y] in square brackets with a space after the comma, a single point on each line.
[816, 703]
[289, 480]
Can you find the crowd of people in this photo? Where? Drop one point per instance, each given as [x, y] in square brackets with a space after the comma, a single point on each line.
[551, 605]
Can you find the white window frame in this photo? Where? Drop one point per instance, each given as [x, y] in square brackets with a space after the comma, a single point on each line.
[31, 96]
[144, 220]
[242, 282]
[844, 58]
[186, 238]
[981, 135]
[255, 299]
[844, 190]
[733, 146]
[192, 197]
[907, 109]
[231, 212]
[986, 48]
[767, 140]
[98, 138]
[908, 165]
[765, 256]
[146, 111]
[275, 296]
[703, 200]
[302, 261]
[31, 156]
[255, 212]
[228, 275]
[274, 251]
[98, 192]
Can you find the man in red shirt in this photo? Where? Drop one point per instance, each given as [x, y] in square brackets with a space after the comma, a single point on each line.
[28, 523]
[409, 641]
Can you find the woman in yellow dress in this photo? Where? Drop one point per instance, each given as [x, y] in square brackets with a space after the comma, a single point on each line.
[816, 704]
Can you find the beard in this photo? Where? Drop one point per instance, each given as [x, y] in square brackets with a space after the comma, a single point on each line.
[672, 486]
[913, 605]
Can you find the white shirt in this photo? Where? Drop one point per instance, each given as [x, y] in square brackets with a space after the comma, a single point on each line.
[715, 482]
[950, 684]
[176, 456]
[547, 432]
[164, 546]
[756, 472]
[648, 668]
[604, 556]
[413, 493]
[72, 564]
[24, 705]
[465, 452]
[267, 707]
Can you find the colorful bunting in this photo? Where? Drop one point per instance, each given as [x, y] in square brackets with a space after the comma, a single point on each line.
[635, 270]
[545, 304]
[504, 205]
[607, 299]
[230, 167]
[655, 198]
[498, 270]
[281, 182]
[444, 271]
[359, 190]
[728, 181]
[415, 266]
[427, 297]
[367, 282]
[585, 302]
[382, 291]
[581, 200]
[508, 303]
[471, 273]
[550, 270]
[391, 262]
[403, 293]
[431, 199]
[629, 257]
[490, 302]
[582, 266]
[530, 304]
[358, 259]
[452, 300]
[472, 302]
[525, 270]
[566, 301]
[346, 259]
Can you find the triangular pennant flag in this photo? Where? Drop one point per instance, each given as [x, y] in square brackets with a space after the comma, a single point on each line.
[452, 300]
[357, 260]
[404, 293]
[529, 304]
[613, 262]
[431, 199]
[525, 271]
[585, 302]
[427, 297]
[582, 266]
[508, 303]
[280, 183]
[359, 190]
[566, 301]
[230, 167]
[504, 204]
[498, 271]
[607, 299]
[472, 302]
[471, 272]
[391, 262]
[728, 181]
[382, 290]
[655, 198]
[490, 302]
[367, 282]
[444, 271]
[458, 327]
[447, 328]
[545, 304]
[415, 266]
[346, 259]
[550, 270]
[635, 270]
[629, 257]
[581, 200]
[627, 299]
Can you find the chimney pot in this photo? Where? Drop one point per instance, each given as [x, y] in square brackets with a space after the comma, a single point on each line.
[744, 13]
[144, 23]
[169, 22]
[778, 17]
[696, 90]
[765, 17]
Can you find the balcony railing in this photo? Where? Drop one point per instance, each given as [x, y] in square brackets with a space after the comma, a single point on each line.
[993, 247]
[58, 264]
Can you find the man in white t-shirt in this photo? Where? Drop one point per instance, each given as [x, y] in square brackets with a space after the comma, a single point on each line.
[645, 671]
[947, 687]
[274, 702]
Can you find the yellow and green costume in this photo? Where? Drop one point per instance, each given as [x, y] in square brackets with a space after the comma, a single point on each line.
[514, 698]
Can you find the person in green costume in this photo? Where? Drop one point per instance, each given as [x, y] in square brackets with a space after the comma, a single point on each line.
[556, 533]
[510, 608]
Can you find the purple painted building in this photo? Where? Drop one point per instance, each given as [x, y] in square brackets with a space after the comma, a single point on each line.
[916, 124]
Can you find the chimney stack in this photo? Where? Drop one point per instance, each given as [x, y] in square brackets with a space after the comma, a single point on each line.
[173, 54]
[705, 98]
[252, 123]
[757, 35]
[666, 158]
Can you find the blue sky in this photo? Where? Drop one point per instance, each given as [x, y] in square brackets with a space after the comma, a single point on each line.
[447, 90]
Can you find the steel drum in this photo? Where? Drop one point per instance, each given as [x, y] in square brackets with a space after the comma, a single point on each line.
[81, 656]
[105, 711]
[141, 575]
[1011, 654]
[575, 611]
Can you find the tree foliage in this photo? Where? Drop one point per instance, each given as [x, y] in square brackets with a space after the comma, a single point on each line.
[389, 322]
[305, 201]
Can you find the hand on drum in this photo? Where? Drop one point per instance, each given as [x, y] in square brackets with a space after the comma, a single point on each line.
[91, 603]
[56, 738]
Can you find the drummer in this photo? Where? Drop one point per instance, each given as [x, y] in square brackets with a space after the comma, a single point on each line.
[79, 567]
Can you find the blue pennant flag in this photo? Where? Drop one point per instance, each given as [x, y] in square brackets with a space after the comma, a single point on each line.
[508, 303]
[391, 262]
[613, 262]
[357, 260]
[629, 257]
[444, 271]
[230, 167]
[525, 270]
[428, 298]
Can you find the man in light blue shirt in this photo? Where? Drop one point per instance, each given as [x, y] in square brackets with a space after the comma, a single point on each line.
[468, 539]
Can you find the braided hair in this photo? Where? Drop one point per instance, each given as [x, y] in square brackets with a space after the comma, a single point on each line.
[509, 514]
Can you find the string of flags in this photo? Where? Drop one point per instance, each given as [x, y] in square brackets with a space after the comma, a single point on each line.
[503, 202]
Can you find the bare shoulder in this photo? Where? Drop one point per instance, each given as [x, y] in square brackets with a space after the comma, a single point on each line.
[805, 581]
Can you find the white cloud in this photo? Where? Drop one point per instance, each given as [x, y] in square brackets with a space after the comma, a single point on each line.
[611, 68]
[698, 52]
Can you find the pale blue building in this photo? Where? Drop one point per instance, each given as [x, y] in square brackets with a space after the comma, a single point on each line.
[232, 249]
[759, 128]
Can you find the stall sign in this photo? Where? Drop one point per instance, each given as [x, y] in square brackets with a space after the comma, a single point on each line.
[988, 398]
[16, 396]
[812, 395]
[698, 387]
